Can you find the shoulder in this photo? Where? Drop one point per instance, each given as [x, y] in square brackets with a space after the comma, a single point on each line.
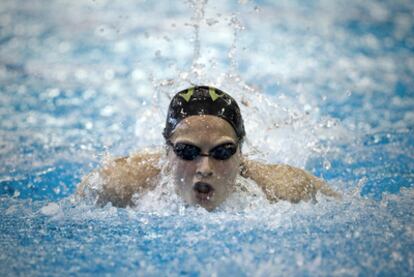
[134, 168]
[138, 163]
[120, 178]
[272, 174]
[285, 182]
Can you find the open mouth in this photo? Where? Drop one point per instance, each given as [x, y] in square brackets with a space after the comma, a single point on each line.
[204, 191]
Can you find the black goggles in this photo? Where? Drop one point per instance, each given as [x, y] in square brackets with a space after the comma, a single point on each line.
[190, 152]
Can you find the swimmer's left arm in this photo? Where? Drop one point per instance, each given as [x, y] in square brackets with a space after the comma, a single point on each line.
[284, 182]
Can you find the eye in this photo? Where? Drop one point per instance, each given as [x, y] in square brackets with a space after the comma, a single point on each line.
[186, 151]
[224, 152]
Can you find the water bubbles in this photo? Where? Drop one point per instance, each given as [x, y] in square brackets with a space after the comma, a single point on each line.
[211, 21]
[396, 256]
[361, 182]
[10, 210]
[183, 75]
[5, 19]
[138, 74]
[100, 30]
[236, 23]
[64, 47]
[107, 111]
[50, 209]
[81, 74]
[109, 74]
[53, 93]
[307, 108]
[88, 125]
[16, 194]
[327, 165]
[57, 190]
[122, 46]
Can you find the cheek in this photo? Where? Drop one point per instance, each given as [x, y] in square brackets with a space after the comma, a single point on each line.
[183, 170]
[228, 169]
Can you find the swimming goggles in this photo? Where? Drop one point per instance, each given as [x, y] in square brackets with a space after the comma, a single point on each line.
[190, 152]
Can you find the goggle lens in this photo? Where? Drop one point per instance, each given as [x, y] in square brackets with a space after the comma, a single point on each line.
[191, 152]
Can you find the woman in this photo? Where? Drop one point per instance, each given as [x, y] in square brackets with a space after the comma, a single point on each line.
[204, 134]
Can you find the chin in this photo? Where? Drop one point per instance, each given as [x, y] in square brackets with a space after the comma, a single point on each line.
[208, 206]
[209, 209]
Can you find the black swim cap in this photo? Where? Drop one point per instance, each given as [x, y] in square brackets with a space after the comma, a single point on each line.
[203, 100]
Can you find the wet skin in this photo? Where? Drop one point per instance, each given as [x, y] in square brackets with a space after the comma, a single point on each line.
[204, 181]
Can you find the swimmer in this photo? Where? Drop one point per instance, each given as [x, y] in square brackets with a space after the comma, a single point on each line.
[204, 133]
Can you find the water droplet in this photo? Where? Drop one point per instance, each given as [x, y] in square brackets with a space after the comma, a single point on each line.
[54, 92]
[107, 111]
[56, 190]
[327, 165]
[109, 74]
[88, 125]
[16, 194]
[211, 21]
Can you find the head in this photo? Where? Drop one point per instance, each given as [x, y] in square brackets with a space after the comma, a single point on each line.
[204, 132]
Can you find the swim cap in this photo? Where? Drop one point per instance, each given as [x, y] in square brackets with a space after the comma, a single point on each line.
[203, 100]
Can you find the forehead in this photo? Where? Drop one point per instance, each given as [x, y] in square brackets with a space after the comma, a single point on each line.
[204, 128]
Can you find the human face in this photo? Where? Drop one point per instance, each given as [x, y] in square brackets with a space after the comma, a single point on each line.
[204, 181]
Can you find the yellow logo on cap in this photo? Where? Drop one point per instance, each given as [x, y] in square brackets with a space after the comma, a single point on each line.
[213, 94]
[211, 91]
[188, 94]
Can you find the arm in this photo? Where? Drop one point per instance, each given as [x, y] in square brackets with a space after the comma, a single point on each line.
[117, 181]
[284, 182]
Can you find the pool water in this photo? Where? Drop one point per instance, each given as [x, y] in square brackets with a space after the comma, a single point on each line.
[327, 86]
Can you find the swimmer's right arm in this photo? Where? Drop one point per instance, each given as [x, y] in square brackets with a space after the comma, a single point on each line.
[120, 179]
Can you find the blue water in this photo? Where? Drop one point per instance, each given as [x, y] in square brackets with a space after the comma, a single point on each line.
[329, 87]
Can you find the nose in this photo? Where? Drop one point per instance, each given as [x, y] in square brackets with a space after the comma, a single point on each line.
[204, 168]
